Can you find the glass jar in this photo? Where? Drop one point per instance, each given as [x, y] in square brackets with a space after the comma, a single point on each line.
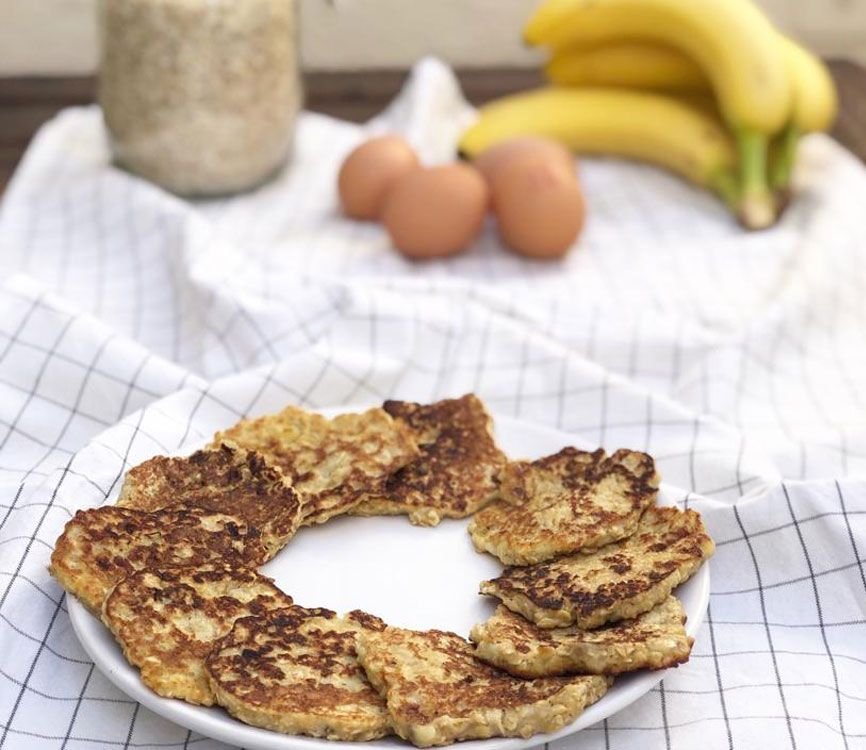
[200, 96]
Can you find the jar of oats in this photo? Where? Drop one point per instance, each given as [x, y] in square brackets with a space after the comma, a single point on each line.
[200, 96]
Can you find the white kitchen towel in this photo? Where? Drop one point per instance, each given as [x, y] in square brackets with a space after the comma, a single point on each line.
[737, 359]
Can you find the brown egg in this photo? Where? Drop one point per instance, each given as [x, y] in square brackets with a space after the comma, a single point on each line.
[370, 171]
[539, 206]
[435, 212]
[490, 161]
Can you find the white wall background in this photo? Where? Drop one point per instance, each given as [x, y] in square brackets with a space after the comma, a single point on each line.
[58, 37]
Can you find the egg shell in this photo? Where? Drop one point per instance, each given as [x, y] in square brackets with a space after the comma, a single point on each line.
[492, 160]
[437, 211]
[539, 206]
[369, 172]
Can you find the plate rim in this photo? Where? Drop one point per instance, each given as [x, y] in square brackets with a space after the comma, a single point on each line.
[214, 722]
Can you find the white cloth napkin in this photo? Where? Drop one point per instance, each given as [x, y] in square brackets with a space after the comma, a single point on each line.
[736, 359]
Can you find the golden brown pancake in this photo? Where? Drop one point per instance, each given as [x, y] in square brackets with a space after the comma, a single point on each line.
[296, 671]
[654, 640]
[101, 546]
[226, 479]
[437, 692]
[618, 582]
[572, 501]
[457, 471]
[331, 463]
[167, 621]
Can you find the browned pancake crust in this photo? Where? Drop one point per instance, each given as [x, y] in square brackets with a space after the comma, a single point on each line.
[227, 480]
[437, 692]
[457, 471]
[167, 620]
[331, 463]
[296, 671]
[617, 582]
[654, 640]
[572, 501]
[101, 546]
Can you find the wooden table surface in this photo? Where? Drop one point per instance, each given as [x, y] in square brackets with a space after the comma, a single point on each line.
[26, 103]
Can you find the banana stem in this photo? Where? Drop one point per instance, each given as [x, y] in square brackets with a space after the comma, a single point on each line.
[756, 209]
[782, 165]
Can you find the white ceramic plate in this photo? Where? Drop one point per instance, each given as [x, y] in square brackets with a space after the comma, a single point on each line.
[411, 577]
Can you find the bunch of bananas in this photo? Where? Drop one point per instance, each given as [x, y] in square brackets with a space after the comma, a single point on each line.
[709, 89]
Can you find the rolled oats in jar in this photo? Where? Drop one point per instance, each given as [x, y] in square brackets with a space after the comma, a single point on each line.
[200, 96]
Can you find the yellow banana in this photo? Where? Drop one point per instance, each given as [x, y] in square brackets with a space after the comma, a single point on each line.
[815, 101]
[648, 65]
[643, 65]
[664, 130]
[815, 105]
[732, 41]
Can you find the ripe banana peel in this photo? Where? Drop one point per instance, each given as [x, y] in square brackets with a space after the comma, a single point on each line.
[680, 135]
[640, 64]
[648, 65]
[814, 107]
[731, 40]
